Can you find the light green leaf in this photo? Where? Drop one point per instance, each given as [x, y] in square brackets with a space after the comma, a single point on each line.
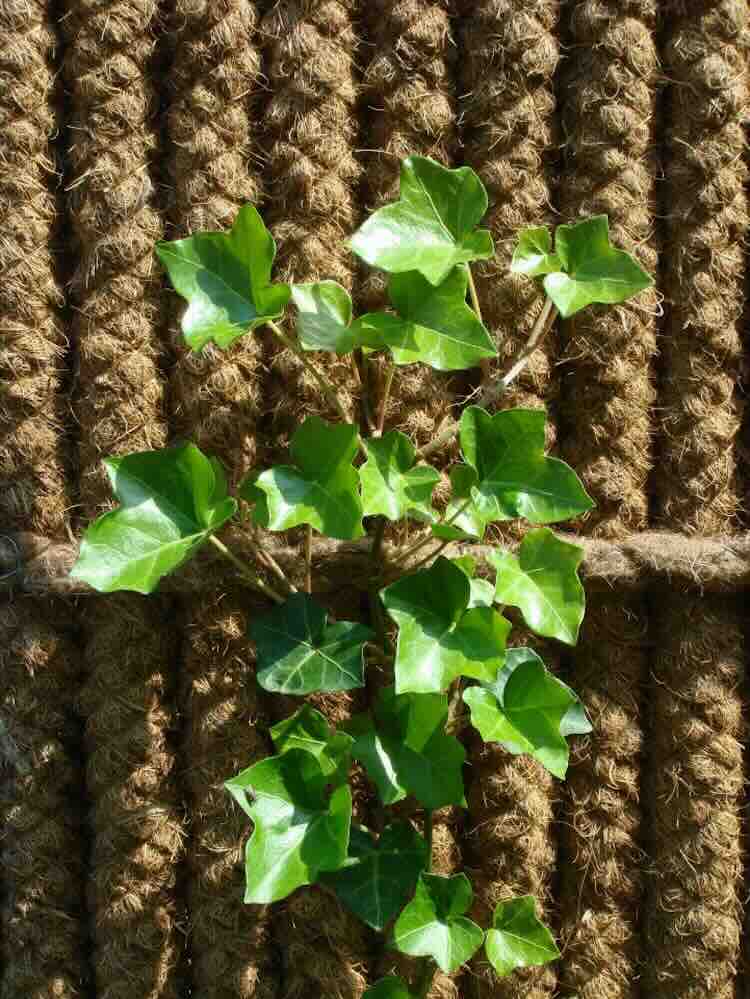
[298, 653]
[308, 729]
[433, 924]
[432, 227]
[533, 254]
[543, 582]
[482, 592]
[171, 502]
[435, 326]
[406, 751]
[440, 637]
[514, 477]
[389, 987]
[379, 875]
[518, 939]
[525, 709]
[324, 315]
[226, 280]
[392, 486]
[463, 519]
[592, 269]
[322, 490]
[299, 830]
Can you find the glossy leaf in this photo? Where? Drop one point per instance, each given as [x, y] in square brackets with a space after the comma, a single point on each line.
[390, 987]
[433, 923]
[592, 269]
[514, 477]
[432, 227]
[324, 315]
[298, 653]
[226, 280]
[405, 749]
[392, 485]
[440, 637]
[308, 729]
[482, 591]
[379, 875]
[171, 501]
[321, 489]
[299, 831]
[463, 520]
[518, 939]
[533, 254]
[543, 582]
[524, 711]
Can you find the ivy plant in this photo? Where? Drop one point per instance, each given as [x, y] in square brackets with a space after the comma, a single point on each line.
[437, 618]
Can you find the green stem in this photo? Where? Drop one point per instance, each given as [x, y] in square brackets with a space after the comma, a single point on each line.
[473, 292]
[246, 572]
[427, 832]
[400, 557]
[308, 559]
[384, 399]
[376, 608]
[428, 965]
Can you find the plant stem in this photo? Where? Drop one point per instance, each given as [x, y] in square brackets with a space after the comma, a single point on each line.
[272, 564]
[364, 384]
[427, 832]
[384, 399]
[402, 556]
[376, 608]
[428, 965]
[247, 574]
[492, 392]
[308, 559]
[473, 292]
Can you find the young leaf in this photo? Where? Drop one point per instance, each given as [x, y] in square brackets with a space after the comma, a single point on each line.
[307, 729]
[463, 519]
[592, 269]
[171, 501]
[518, 939]
[431, 228]
[408, 752]
[434, 325]
[514, 477]
[533, 255]
[324, 315]
[389, 987]
[392, 485]
[379, 876]
[525, 710]
[322, 490]
[299, 830]
[298, 653]
[433, 924]
[543, 582]
[226, 280]
[440, 637]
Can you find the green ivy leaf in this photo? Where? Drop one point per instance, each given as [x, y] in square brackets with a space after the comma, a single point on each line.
[533, 254]
[408, 752]
[390, 987]
[433, 924]
[226, 280]
[432, 226]
[298, 653]
[379, 875]
[463, 520]
[322, 490]
[324, 315]
[299, 830]
[524, 710]
[440, 637]
[171, 502]
[308, 729]
[434, 326]
[592, 269]
[518, 939]
[482, 592]
[543, 582]
[392, 486]
[514, 477]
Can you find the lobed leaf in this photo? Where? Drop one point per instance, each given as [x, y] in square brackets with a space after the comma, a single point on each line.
[533, 254]
[308, 729]
[392, 486]
[518, 939]
[324, 315]
[171, 502]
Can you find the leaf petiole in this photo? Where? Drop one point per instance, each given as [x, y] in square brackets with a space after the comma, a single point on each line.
[247, 574]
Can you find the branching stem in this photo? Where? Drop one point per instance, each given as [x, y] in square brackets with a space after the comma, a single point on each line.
[267, 558]
[246, 572]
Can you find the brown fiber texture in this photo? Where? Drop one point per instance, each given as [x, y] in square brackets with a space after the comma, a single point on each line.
[309, 134]
[43, 844]
[33, 344]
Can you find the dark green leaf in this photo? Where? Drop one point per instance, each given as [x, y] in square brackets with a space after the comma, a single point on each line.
[518, 939]
[307, 729]
[322, 490]
[324, 315]
[171, 503]
[298, 653]
[379, 875]
[432, 227]
[514, 476]
[592, 269]
[440, 637]
[543, 582]
[389, 987]
[392, 486]
[433, 924]
[525, 709]
[226, 280]
[533, 255]
[482, 593]
[299, 830]
[406, 750]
